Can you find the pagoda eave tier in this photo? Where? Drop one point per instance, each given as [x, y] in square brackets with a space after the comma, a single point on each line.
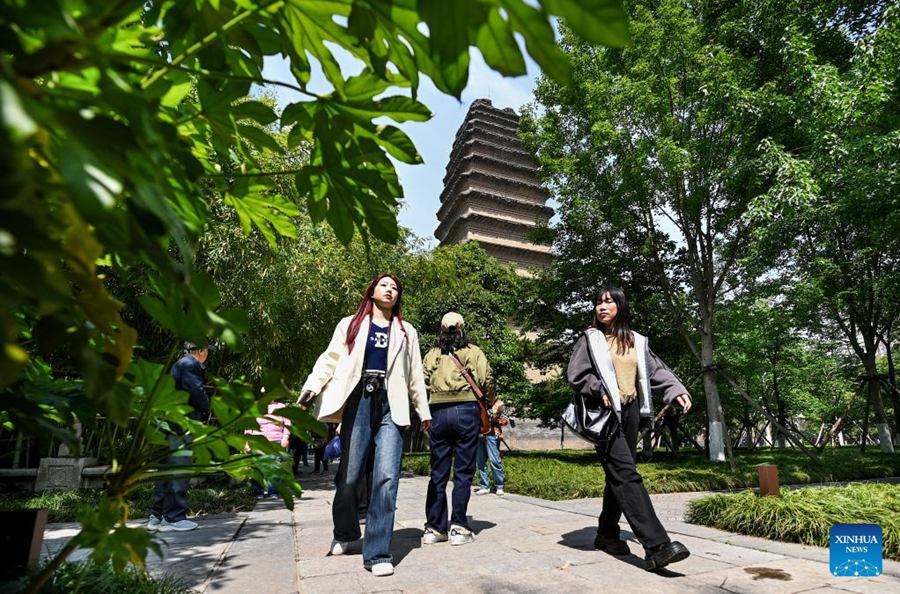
[523, 257]
[494, 183]
[477, 198]
[474, 219]
[479, 154]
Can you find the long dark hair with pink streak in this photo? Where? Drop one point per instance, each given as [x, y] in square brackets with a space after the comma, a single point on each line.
[367, 304]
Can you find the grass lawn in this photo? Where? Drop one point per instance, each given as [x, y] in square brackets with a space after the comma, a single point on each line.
[87, 576]
[568, 474]
[805, 515]
[210, 498]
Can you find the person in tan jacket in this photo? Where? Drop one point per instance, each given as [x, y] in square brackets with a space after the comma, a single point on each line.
[455, 427]
[366, 380]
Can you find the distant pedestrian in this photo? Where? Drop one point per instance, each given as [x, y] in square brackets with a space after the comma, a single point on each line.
[455, 426]
[275, 429]
[299, 451]
[367, 378]
[613, 367]
[168, 509]
[320, 443]
[489, 454]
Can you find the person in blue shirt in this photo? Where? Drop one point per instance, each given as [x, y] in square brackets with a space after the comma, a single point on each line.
[168, 511]
[368, 379]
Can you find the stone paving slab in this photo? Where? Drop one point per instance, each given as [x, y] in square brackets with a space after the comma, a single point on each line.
[525, 545]
[262, 557]
[190, 556]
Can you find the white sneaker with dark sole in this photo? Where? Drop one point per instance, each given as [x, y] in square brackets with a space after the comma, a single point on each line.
[383, 569]
[432, 536]
[460, 536]
[179, 526]
[500, 491]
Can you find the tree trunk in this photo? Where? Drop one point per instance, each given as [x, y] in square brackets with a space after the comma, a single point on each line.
[779, 405]
[885, 440]
[715, 415]
[892, 384]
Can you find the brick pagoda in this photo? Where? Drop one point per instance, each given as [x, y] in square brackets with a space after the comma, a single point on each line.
[491, 191]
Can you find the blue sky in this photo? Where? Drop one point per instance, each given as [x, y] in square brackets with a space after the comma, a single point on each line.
[423, 183]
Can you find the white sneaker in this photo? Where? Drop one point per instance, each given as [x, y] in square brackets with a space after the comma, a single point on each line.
[482, 491]
[339, 547]
[460, 536]
[153, 523]
[383, 569]
[500, 491]
[179, 526]
[432, 536]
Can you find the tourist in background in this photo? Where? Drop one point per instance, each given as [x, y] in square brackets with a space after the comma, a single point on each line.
[277, 430]
[614, 365]
[300, 452]
[455, 426]
[169, 506]
[366, 379]
[489, 453]
[320, 442]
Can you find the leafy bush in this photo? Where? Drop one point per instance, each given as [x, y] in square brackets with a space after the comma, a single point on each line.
[805, 515]
[569, 474]
[65, 506]
[128, 123]
[89, 577]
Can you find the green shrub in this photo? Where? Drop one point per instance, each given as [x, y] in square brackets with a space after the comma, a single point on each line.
[63, 506]
[90, 578]
[805, 515]
[570, 474]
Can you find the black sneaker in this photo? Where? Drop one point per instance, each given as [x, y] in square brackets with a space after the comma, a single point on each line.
[671, 552]
[615, 546]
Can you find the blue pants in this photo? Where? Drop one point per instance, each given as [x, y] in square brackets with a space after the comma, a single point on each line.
[367, 425]
[454, 434]
[489, 449]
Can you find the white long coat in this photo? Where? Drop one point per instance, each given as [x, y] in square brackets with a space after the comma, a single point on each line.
[338, 371]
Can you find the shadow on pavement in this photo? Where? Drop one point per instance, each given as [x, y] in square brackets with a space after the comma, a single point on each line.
[583, 540]
[404, 541]
[478, 525]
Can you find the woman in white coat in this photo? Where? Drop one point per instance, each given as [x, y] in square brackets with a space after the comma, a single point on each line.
[366, 379]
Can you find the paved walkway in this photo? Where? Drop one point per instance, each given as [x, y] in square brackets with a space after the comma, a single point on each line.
[522, 545]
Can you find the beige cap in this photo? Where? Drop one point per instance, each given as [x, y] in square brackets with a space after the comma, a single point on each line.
[451, 321]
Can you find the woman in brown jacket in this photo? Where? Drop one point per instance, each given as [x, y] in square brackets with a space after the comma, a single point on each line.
[614, 365]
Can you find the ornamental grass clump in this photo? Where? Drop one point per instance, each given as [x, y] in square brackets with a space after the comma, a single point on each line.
[805, 515]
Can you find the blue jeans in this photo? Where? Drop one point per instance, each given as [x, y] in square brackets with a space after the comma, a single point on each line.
[489, 449]
[454, 434]
[367, 424]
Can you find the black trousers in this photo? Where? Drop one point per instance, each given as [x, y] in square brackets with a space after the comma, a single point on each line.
[319, 458]
[624, 491]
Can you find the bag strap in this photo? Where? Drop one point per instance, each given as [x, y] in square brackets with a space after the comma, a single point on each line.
[465, 373]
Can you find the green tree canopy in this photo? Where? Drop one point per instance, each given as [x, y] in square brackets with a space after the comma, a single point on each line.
[127, 124]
